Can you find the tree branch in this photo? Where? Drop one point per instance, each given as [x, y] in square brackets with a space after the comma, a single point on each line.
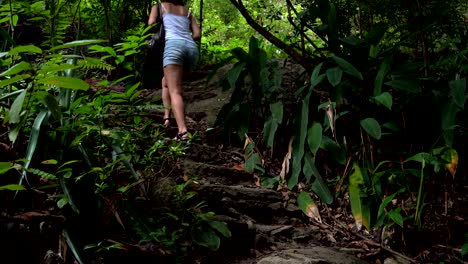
[271, 38]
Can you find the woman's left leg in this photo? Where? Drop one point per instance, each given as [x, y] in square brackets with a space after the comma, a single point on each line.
[166, 101]
[173, 74]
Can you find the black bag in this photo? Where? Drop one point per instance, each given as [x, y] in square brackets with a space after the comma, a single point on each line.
[153, 68]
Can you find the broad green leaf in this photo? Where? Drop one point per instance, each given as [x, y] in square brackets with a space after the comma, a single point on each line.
[14, 132]
[25, 49]
[334, 75]
[457, 92]
[308, 166]
[359, 207]
[277, 111]
[464, 249]
[314, 137]
[298, 143]
[221, 227]
[16, 108]
[5, 166]
[204, 236]
[65, 82]
[396, 216]
[419, 157]
[451, 157]
[385, 99]
[15, 20]
[372, 127]
[5, 96]
[320, 188]
[308, 206]
[410, 86]
[14, 79]
[22, 66]
[78, 43]
[379, 79]
[57, 68]
[252, 162]
[347, 67]
[234, 73]
[34, 137]
[51, 103]
[316, 78]
[449, 114]
[12, 187]
[334, 150]
[269, 131]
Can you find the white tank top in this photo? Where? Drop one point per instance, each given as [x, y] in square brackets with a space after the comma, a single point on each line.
[176, 26]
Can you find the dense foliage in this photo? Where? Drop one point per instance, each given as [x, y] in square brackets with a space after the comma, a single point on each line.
[378, 115]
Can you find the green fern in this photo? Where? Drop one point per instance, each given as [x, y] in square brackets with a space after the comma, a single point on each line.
[42, 174]
[90, 63]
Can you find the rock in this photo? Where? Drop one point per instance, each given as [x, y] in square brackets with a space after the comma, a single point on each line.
[319, 255]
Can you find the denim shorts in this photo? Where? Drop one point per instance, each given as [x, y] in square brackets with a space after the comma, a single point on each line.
[180, 52]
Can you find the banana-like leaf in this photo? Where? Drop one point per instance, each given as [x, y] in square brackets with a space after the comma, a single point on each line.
[372, 127]
[359, 207]
[334, 75]
[314, 137]
[65, 82]
[347, 67]
[308, 206]
[20, 67]
[16, 108]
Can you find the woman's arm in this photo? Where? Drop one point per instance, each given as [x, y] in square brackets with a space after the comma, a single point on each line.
[196, 34]
[153, 15]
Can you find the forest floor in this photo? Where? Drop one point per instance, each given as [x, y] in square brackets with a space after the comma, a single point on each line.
[267, 225]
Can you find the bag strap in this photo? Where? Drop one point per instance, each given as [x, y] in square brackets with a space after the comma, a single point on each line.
[159, 19]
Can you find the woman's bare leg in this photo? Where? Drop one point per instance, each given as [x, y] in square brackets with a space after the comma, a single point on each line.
[173, 76]
[166, 101]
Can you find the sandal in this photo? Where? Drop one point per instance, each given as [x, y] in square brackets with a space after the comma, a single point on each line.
[181, 137]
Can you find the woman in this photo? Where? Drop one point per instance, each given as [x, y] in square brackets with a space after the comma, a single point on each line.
[180, 54]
